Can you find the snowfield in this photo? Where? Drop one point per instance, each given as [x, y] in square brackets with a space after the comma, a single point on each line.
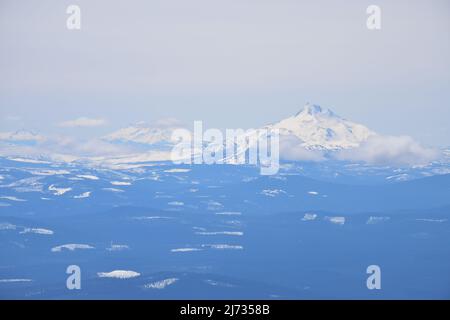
[272, 192]
[375, 220]
[34, 161]
[119, 274]
[219, 284]
[176, 203]
[87, 177]
[113, 190]
[38, 231]
[229, 213]
[336, 220]
[151, 218]
[185, 250]
[432, 220]
[58, 191]
[223, 246]
[49, 172]
[12, 198]
[214, 205]
[71, 247]
[175, 170]
[83, 195]
[226, 233]
[15, 280]
[7, 226]
[161, 284]
[309, 217]
[120, 183]
[32, 184]
[118, 247]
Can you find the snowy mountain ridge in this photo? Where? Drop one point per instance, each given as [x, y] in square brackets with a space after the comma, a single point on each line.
[312, 134]
[316, 128]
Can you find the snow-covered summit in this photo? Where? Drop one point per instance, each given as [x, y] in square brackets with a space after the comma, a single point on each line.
[320, 128]
[312, 109]
[143, 133]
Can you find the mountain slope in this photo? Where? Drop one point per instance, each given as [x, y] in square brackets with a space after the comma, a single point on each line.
[314, 126]
[320, 128]
[141, 133]
[313, 134]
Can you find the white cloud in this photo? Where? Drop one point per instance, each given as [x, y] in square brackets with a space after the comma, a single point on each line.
[291, 149]
[389, 150]
[82, 122]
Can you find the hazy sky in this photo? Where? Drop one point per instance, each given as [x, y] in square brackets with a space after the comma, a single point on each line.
[230, 63]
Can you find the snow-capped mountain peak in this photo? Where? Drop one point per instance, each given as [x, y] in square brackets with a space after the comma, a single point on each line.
[144, 133]
[321, 128]
[313, 109]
